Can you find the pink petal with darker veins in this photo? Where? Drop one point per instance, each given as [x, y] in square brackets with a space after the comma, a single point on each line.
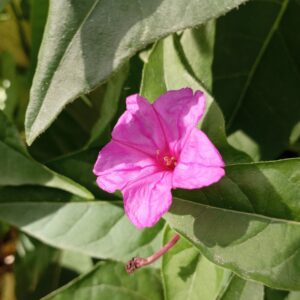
[139, 126]
[196, 176]
[118, 164]
[147, 199]
[179, 112]
[200, 163]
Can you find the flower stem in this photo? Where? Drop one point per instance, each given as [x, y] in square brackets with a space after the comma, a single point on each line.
[139, 262]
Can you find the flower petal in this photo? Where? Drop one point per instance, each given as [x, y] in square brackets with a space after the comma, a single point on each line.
[198, 149]
[147, 199]
[200, 163]
[139, 126]
[179, 112]
[196, 176]
[117, 165]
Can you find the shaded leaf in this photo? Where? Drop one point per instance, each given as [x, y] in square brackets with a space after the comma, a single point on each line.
[109, 280]
[272, 294]
[79, 167]
[255, 73]
[18, 168]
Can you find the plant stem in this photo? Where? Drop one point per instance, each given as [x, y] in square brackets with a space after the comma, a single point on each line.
[139, 262]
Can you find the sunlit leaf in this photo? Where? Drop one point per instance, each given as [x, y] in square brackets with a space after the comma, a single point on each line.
[123, 27]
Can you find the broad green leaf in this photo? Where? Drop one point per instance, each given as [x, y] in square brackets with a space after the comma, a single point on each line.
[267, 188]
[153, 81]
[254, 246]
[18, 168]
[198, 46]
[251, 225]
[188, 275]
[109, 280]
[239, 289]
[255, 73]
[99, 229]
[167, 69]
[100, 36]
[76, 261]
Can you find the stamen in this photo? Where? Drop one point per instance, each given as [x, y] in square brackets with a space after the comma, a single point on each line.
[170, 161]
[139, 262]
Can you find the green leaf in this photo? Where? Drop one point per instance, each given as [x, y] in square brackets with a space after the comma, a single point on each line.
[267, 188]
[167, 69]
[254, 246]
[293, 296]
[109, 280]
[98, 229]
[251, 225]
[109, 105]
[239, 289]
[79, 167]
[35, 193]
[76, 262]
[100, 45]
[272, 294]
[256, 69]
[198, 46]
[18, 168]
[189, 275]
[84, 123]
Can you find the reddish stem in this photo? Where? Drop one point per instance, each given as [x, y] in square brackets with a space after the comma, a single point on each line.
[139, 262]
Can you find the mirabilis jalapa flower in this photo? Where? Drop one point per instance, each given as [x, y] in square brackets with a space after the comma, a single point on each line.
[157, 147]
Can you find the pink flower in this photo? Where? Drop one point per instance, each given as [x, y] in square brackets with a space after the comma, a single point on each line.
[154, 148]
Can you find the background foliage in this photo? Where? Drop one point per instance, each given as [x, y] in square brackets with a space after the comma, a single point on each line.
[66, 68]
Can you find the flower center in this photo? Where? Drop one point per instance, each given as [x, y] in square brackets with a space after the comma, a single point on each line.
[166, 161]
